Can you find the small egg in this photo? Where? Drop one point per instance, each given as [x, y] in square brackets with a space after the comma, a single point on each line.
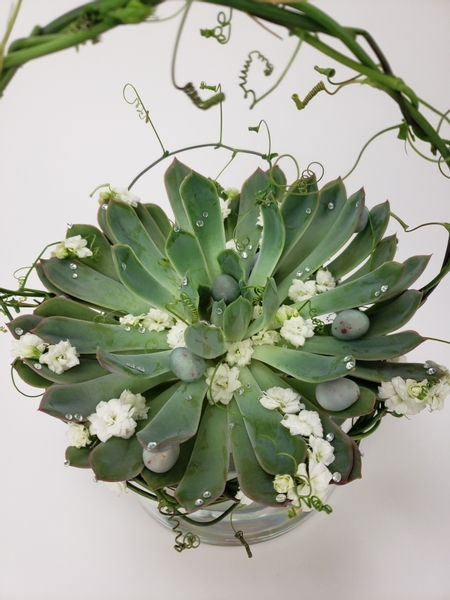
[350, 325]
[225, 288]
[337, 394]
[160, 462]
[186, 365]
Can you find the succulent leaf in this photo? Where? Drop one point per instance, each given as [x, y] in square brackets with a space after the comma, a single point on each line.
[103, 261]
[78, 457]
[382, 253]
[393, 315]
[204, 340]
[172, 477]
[272, 244]
[184, 252]
[173, 178]
[64, 307]
[236, 318]
[117, 459]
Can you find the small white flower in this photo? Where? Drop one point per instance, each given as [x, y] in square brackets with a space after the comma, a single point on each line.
[296, 330]
[315, 480]
[126, 196]
[231, 245]
[285, 399]
[324, 281]
[268, 338]
[224, 207]
[78, 435]
[28, 346]
[259, 220]
[112, 418]
[396, 397]
[157, 320]
[257, 311]
[321, 450]
[239, 353]
[116, 486]
[285, 312]
[437, 395]
[60, 357]
[306, 423]
[302, 290]
[136, 401]
[72, 246]
[131, 320]
[243, 499]
[175, 337]
[283, 483]
[231, 193]
[224, 383]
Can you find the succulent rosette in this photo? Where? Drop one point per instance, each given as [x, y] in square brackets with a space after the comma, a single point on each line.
[218, 355]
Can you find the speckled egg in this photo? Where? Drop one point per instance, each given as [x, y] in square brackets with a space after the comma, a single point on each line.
[186, 365]
[225, 288]
[350, 325]
[338, 394]
[160, 462]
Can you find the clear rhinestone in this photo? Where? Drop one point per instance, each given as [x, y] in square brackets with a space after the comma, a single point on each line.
[357, 204]
[176, 228]
[232, 425]
[205, 214]
[74, 275]
[184, 281]
[37, 366]
[431, 371]
[329, 437]
[199, 223]
[188, 398]
[104, 207]
[425, 365]
[350, 365]
[69, 225]
[240, 391]
[280, 498]
[18, 331]
[141, 329]
[346, 358]
[361, 452]
[198, 502]
[299, 273]
[206, 494]
[69, 417]
[244, 254]
[127, 328]
[307, 269]
[384, 288]
[248, 385]
[141, 369]
[79, 417]
[308, 211]
[250, 247]
[377, 293]
[330, 205]
[337, 477]
[73, 266]
[151, 445]
[219, 310]
[67, 463]
[124, 266]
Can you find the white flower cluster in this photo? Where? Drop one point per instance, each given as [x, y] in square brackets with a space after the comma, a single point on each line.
[301, 291]
[154, 320]
[118, 416]
[222, 383]
[74, 246]
[58, 357]
[119, 193]
[409, 397]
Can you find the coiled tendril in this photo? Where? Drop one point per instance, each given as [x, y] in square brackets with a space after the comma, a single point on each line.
[268, 70]
[217, 33]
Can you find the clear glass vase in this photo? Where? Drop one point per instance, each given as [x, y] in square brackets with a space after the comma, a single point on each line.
[257, 523]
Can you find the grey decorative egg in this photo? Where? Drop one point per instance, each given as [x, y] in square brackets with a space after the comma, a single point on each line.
[350, 325]
[160, 462]
[225, 288]
[186, 365]
[337, 394]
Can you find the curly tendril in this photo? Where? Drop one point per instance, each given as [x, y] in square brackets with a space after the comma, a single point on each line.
[217, 33]
[188, 540]
[141, 110]
[268, 70]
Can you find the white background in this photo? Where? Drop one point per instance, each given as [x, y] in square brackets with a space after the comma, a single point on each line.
[66, 129]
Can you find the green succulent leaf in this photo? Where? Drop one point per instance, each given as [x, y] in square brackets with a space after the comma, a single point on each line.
[87, 369]
[385, 371]
[230, 264]
[30, 375]
[79, 457]
[24, 324]
[393, 315]
[173, 178]
[236, 318]
[414, 267]
[204, 340]
[383, 252]
[141, 366]
[152, 217]
[270, 305]
[279, 181]
[184, 252]
[156, 481]
[117, 459]
[64, 307]
[208, 466]
[272, 244]
[103, 262]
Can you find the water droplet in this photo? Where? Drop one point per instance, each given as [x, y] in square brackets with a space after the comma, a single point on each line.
[131, 365]
[357, 204]
[18, 331]
[219, 310]
[329, 437]
[104, 207]
[244, 254]
[67, 463]
[346, 358]
[79, 417]
[184, 281]
[384, 288]
[250, 247]
[176, 228]
[198, 502]
[240, 391]
[337, 477]
[350, 365]
[232, 425]
[151, 445]
[205, 214]
[431, 371]
[74, 275]
[199, 223]
[140, 369]
[124, 266]
[73, 266]
[330, 205]
[280, 498]
[308, 211]
[248, 385]
[141, 329]
[37, 366]
[69, 225]
[127, 328]
[206, 494]
[69, 417]
[426, 365]
[188, 398]
[299, 273]
[377, 293]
